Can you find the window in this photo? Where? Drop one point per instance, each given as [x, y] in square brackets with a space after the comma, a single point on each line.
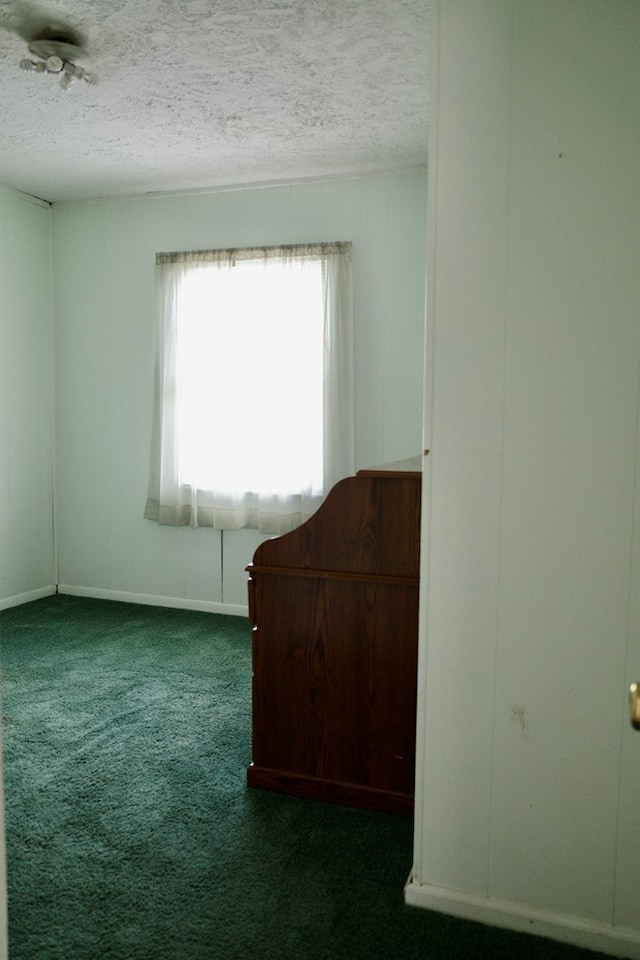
[253, 413]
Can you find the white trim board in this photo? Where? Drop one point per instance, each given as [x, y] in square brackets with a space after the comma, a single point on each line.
[21, 598]
[153, 600]
[511, 915]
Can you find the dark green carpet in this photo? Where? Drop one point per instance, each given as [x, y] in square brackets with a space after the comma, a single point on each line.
[131, 833]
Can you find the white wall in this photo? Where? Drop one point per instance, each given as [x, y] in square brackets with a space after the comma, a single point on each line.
[528, 770]
[27, 568]
[105, 330]
[26, 396]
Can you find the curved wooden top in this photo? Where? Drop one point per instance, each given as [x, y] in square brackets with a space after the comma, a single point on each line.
[367, 525]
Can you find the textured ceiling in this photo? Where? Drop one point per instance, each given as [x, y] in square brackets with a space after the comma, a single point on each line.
[198, 93]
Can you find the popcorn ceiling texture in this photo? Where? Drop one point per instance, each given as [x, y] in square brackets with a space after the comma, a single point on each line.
[195, 94]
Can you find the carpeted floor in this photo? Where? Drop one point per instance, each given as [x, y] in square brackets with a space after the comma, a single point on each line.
[131, 834]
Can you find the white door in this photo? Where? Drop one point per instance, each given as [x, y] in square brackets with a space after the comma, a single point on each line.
[528, 769]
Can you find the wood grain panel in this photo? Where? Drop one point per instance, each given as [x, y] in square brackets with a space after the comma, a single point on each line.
[335, 649]
[374, 529]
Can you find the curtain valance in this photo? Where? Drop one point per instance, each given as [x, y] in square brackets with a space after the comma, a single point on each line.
[293, 251]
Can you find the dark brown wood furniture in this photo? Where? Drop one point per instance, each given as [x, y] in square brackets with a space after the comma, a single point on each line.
[334, 606]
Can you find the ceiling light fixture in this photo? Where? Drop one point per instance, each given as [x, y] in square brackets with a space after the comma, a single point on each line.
[57, 56]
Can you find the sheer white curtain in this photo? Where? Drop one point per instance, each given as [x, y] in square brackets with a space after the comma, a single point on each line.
[253, 405]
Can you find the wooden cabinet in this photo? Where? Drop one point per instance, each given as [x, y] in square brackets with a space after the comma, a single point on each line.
[334, 606]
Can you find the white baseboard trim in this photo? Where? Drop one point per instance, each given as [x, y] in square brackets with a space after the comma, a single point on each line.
[511, 915]
[21, 598]
[153, 600]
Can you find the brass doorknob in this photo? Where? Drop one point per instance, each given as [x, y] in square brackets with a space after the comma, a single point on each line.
[634, 703]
